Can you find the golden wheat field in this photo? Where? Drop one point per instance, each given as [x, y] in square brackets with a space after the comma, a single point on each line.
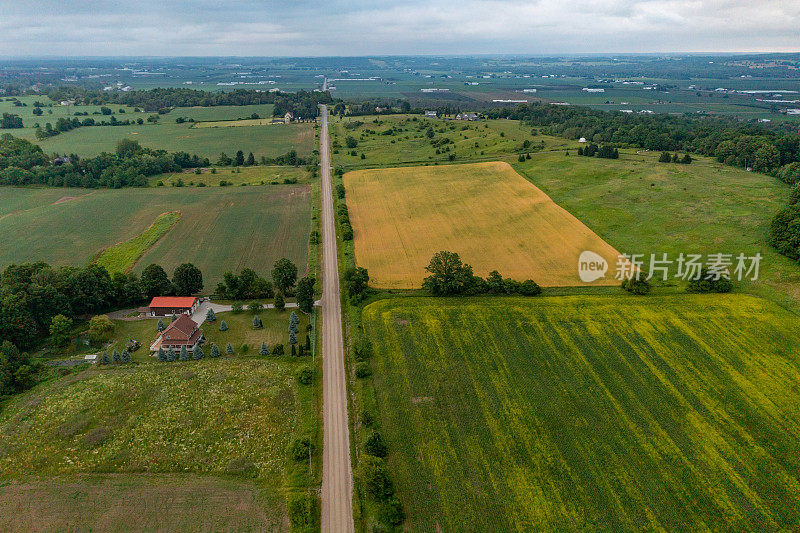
[487, 213]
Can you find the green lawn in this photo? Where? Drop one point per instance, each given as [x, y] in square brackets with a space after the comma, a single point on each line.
[241, 331]
[590, 413]
[645, 207]
[269, 141]
[220, 228]
[409, 142]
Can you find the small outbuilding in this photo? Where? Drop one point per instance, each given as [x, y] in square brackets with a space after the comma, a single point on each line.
[430, 114]
[173, 305]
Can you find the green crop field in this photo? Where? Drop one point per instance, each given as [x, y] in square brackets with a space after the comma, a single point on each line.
[409, 143]
[220, 228]
[122, 256]
[590, 413]
[268, 141]
[646, 207]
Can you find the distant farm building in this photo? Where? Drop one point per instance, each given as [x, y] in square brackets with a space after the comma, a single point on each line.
[288, 117]
[582, 140]
[173, 305]
[431, 114]
[183, 332]
[467, 116]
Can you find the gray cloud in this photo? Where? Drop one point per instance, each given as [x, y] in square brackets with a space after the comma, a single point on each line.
[304, 27]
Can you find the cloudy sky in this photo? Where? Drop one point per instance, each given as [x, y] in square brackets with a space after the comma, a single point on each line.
[361, 27]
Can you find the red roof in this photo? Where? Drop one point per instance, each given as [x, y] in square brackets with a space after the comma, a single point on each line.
[173, 301]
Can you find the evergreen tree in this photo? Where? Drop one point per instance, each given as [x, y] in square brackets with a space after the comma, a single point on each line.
[126, 356]
[223, 326]
[292, 338]
[280, 303]
[308, 343]
[257, 322]
[171, 355]
[116, 357]
[294, 350]
[174, 318]
[239, 161]
[104, 360]
[184, 354]
[162, 355]
[293, 328]
[264, 349]
[251, 160]
[294, 319]
[215, 351]
[665, 158]
[161, 326]
[197, 352]
[210, 316]
[229, 349]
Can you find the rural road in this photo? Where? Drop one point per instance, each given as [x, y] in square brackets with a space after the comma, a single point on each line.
[337, 475]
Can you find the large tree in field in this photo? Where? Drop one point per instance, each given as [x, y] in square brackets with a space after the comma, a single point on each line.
[155, 282]
[284, 275]
[448, 274]
[187, 279]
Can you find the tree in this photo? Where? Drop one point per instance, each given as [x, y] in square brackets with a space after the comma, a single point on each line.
[154, 281]
[264, 350]
[284, 275]
[357, 279]
[305, 294]
[304, 512]
[60, 328]
[223, 326]
[251, 160]
[280, 303]
[374, 445]
[687, 159]
[100, 328]
[171, 355]
[239, 159]
[126, 356]
[162, 355]
[292, 338]
[237, 307]
[785, 231]
[708, 282]
[161, 326]
[255, 307]
[215, 351]
[373, 476]
[278, 349]
[636, 285]
[210, 316]
[187, 280]
[184, 354]
[173, 318]
[665, 158]
[223, 160]
[257, 322]
[229, 349]
[301, 449]
[294, 320]
[197, 352]
[305, 376]
[116, 357]
[449, 275]
[104, 359]
[495, 282]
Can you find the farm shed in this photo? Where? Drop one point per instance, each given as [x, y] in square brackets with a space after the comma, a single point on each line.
[173, 305]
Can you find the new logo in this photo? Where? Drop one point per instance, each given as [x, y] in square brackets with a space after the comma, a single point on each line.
[591, 266]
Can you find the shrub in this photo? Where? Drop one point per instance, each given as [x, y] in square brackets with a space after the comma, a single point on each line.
[373, 477]
[264, 350]
[229, 349]
[255, 307]
[391, 512]
[304, 512]
[210, 315]
[362, 349]
[305, 376]
[237, 307]
[215, 351]
[278, 349]
[706, 283]
[257, 322]
[301, 449]
[223, 326]
[639, 286]
[529, 288]
[363, 370]
[374, 445]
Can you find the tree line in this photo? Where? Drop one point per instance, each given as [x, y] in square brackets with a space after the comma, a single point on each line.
[25, 163]
[449, 276]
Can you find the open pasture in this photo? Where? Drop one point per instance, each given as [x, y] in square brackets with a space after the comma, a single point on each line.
[486, 212]
[256, 175]
[221, 112]
[220, 228]
[590, 413]
[268, 141]
[403, 139]
[646, 207]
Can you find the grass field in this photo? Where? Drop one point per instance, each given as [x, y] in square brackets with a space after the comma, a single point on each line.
[269, 141]
[409, 143]
[590, 413]
[486, 212]
[236, 123]
[122, 256]
[220, 228]
[240, 330]
[644, 207]
[229, 420]
[257, 175]
[221, 112]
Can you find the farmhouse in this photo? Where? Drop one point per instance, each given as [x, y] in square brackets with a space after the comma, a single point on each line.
[183, 332]
[467, 116]
[173, 305]
[430, 114]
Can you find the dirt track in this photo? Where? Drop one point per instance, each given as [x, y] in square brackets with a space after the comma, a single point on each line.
[337, 475]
